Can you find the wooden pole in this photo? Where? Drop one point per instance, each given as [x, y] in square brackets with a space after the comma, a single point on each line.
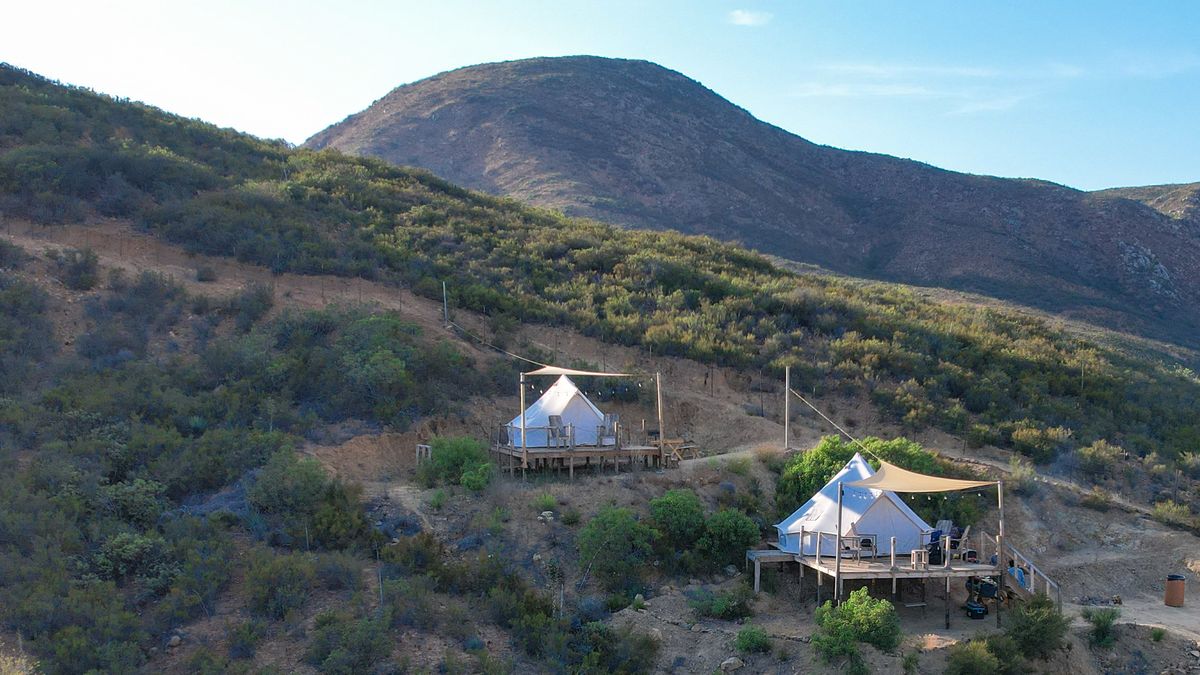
[787, 406]
[837, 561]
[947, 603]
[524, 440]
[662, 433]
[446, 315]
[1000, 569]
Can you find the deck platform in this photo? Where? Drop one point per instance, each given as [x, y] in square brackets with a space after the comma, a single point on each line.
[635, 457]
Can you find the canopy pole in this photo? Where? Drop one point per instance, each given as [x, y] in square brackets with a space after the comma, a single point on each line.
[787, 407]
[662, 433]
[837, 560]
[1000, 568]
[524, 445]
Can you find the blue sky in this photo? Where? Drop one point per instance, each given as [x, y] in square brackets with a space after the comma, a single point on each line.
[1090, 94]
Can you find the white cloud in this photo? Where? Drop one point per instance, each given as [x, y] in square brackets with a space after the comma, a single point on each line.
[749, 17]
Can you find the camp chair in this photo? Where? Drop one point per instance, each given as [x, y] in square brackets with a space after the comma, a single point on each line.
[608, 428]
[960, 545]
[556, 433]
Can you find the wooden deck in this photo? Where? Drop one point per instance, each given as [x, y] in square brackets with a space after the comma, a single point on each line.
[882, 568]
[601, 457]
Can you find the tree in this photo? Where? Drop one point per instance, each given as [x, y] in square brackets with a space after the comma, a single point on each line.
[616, 547]
[679, 516]
[1038, 627]
[727, 536]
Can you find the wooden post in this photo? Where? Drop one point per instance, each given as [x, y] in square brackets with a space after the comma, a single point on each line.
[947, 603]
[524, 436]
[1000, 569]
[571, 467]
[837, 561]
[662, 433]
[787, 407]
[757, 573]
[445, 308]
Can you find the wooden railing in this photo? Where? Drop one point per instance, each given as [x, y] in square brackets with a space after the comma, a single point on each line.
[1034, 574]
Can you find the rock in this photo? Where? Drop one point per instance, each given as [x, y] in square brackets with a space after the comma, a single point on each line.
[1194, 653]
[639, 598]
[693, 582]
[548, 515]
[731, 664]
[174, 641]
[731, 571]
[697, 628]
[537, 557]
[656, 634]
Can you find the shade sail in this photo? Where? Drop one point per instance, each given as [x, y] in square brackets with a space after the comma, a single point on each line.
[555, 370]
[892, 477]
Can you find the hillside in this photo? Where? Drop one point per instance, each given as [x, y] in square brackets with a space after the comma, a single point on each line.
[1181, 203]
[218, 352]
[632, 143]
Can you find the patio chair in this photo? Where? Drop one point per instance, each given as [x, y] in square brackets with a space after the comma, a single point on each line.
[556, 433]
[960, 545]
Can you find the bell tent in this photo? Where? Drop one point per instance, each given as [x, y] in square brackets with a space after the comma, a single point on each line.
[865, 511]
[564, 399]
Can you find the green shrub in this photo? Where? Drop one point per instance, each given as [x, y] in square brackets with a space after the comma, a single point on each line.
[455, 460]
[1102, 620]
[727, 536]
[1008, 653]
[418, 554]
[1096, 499]
[727, 605]
[863, 618]
[277, 584]
[911, 663]
[412, 601]
[1157, 634]
[1171, 512]
[544, 502]
[603, 649]
[437, 500]
[139, 501]
[738, 466]
[1039, 443]
[972, 658]
[244, 638]
[341, 645]
[1099, 459]
[1037, 627]
[251, 304]
[338, 571]
[571, 517]
[752, 639]
[1022, 476]
[77, 269]
[679, 517]
[206, 274]
[616, 547]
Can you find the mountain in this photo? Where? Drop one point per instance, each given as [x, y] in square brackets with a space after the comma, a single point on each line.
[633, 143]
[1180, 202]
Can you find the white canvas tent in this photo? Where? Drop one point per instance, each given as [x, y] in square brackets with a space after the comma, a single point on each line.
[864, 511]
[563, 398]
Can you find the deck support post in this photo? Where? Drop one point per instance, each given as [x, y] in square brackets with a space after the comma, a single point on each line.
[571, 467]
[662, 433]
[524, 439]
[787, 407]
[837, 561]
[947, 603]
[1001, 570]
[757, 574]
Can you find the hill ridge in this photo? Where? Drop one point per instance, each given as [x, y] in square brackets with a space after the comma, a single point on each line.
[641, 145]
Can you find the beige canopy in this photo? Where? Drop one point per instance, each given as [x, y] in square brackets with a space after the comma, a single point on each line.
[555, 370]
[892, 477]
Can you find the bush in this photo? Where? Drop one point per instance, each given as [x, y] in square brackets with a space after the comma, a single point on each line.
[344, 646]
[544, 502]
[412, 601]
[1171, 512]
[752, 639]
[206, 274]
[251, 304]
[727, 605]
[571, 517]
[863, 618]
[1008, 653]
[456, 460]
[1157, 634]
[727, 536]
[77, 269]
[972, 658]
[1022, 476]
[244, 638]
[1102, 620]
[616, 547]
[1096, 499]
[679, 517]
[602, 649]
[1038, 627]
[338, 571]
[1099, 459]
[277, 584]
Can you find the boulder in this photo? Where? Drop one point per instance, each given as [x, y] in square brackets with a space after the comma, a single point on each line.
[731, 664]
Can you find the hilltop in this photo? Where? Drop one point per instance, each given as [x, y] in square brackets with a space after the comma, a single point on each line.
[636, 144]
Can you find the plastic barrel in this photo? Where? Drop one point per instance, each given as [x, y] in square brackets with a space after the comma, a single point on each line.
[1174, 594]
